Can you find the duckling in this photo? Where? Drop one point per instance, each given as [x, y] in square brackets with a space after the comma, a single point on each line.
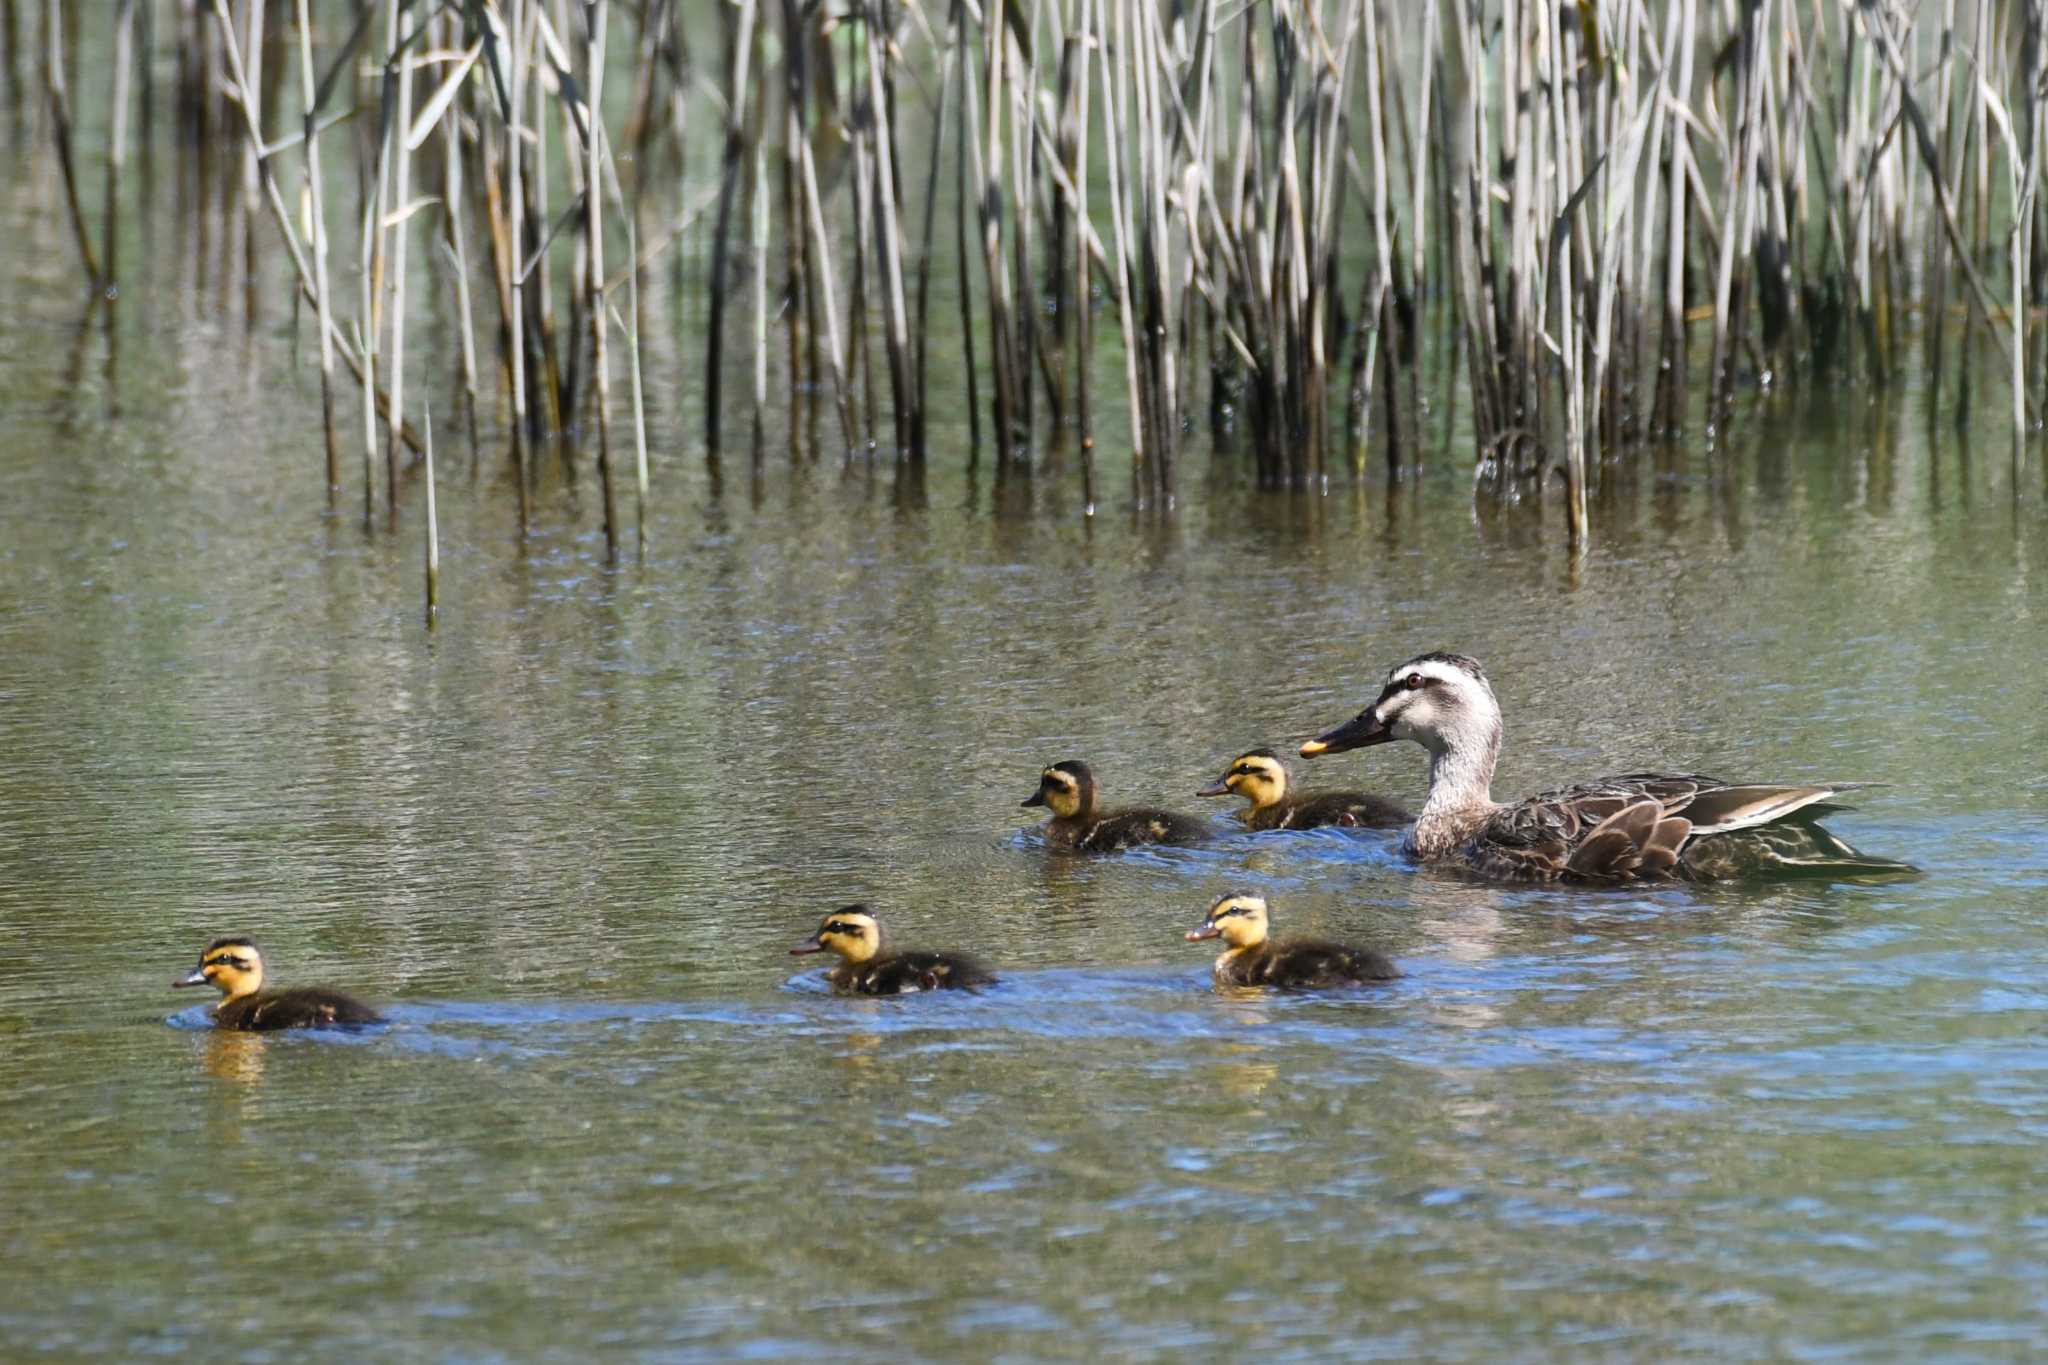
[1068, 791]
[1253, 959]
[866, 968]
[1636, 827]
[1262, 779]
[234, 967]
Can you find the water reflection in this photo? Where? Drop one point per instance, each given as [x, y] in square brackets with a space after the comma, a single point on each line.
[235, 1058]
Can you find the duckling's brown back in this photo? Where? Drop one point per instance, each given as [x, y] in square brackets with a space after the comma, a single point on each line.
[300, 1007]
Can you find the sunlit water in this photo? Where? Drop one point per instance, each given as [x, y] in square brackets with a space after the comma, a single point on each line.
[568, 837]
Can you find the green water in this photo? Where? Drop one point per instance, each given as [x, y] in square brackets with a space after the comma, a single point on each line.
[568, 837]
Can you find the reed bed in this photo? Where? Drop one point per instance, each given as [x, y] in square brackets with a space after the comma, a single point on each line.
[1570, 231]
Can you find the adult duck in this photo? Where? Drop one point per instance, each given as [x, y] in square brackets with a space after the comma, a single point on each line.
[1635, 827]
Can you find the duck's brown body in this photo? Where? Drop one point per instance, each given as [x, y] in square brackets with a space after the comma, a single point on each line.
[902, 973]
[234, 967]
[1109, 831]
[1303, 964]
[1068, 790]
[300, 1007]
[1313, 810]
[1647, 825]
[867, 967]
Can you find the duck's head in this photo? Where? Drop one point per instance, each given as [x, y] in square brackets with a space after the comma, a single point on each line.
[1441, 701]
[230, 965]
[1239, 919]
[1066, 789]
[851, 932]
[1259, 777]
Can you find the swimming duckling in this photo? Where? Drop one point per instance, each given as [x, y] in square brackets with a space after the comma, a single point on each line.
[866, 968]
[1262, 779]
[1068, 791]
[1253, 959]
[233, 967]
[1636, 827]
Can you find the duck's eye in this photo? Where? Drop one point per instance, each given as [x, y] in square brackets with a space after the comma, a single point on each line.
[1414, 682]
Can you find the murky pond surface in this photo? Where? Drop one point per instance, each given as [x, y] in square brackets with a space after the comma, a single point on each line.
[569, 836]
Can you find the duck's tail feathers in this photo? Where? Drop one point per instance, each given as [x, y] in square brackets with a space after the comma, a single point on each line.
[1797, 848]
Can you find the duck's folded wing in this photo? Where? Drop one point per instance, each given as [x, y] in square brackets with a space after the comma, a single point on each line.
[1716, 807]
[1639, 840]
[1602, 831]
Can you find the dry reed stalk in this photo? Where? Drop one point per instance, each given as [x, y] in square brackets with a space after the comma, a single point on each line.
[117, 133]
[56, 91]
[1077, 44]
[520, 31]
[964, 149]
[759, 198]
[926, 253]
[861, 130]
[313, 207]
[433, 530]
[1116, 117]
[537, 261]
[739, 54]
[10, 58]
[1671, 387]
[632, 329]
[821, 256]
[246, 203]
[796, 299]
[399, 217]
[1383, 245]
[1021, 86]
[454, 237]
[593, 199]
[987, 172]
[888, 237]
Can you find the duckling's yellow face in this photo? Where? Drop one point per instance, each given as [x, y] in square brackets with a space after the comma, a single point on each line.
[1238, 920]
[1259, 777]
[231, 966]
[852, 933]
[1062, 789]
